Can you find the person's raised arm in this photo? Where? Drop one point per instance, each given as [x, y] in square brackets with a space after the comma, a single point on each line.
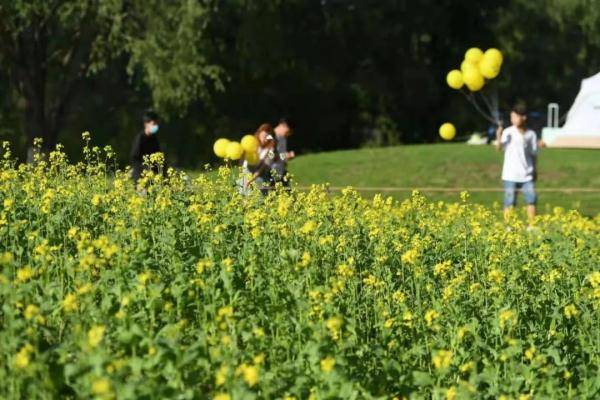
[499, 137]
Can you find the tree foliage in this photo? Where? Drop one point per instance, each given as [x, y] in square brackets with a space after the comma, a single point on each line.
[349, 72]
[49, 49]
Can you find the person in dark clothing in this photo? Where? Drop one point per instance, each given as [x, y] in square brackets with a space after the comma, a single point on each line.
[282, 131]
[145, 143]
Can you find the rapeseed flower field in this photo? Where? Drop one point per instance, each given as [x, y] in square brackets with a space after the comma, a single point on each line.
[185, 289]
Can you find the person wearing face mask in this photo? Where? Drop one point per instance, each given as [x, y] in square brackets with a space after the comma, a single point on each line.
[145, 143]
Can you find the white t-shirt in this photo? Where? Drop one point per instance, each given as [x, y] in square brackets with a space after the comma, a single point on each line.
[519, 154]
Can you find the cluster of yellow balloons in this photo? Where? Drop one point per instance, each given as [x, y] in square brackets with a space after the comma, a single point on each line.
[475, 69]
[247, 149]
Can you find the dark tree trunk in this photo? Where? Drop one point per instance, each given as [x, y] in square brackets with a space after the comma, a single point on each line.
[32, 74]
[41, 120]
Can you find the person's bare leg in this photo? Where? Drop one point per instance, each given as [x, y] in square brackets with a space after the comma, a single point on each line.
[531, 212]
[507, 212]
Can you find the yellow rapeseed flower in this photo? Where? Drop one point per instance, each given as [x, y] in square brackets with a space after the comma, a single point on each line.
[203, 265]
[226, 340]
[305, 259]
[327, 364]
[334, 325]
[24, 274]
[530, 353]
[144, 278]
[466, 367]
[430, 317]
[72, 232]
[410, 256]
[22, 358]
[308, 227]
[462, 332]
[101, 387]
[85, 288]
[258, 332]
[451, 393]
[95, 335]
[570, 311]
[225, 312]
[228, 262]
[250, 374]
[399, 296]
[258, 359]
[442, 268]
[594, 279]
[96, 200]
[407, 318]
[31, 311]
[221, 375]
[507, 317]
[69, 303]
[496, 276]
[442, 359]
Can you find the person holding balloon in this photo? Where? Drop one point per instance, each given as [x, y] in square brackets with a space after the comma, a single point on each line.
[256, 152]
[264, 160]
[520, 151]
[519, 144]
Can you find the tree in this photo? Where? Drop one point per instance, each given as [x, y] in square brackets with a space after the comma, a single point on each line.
[48, 48]
[348, 71]
[550, 46]
[583, 14]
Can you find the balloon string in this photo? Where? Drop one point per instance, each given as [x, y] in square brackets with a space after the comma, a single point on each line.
[489, 107]
[471, 99]
[493, 103]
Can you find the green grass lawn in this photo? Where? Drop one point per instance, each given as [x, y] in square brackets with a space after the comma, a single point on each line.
[452, 166]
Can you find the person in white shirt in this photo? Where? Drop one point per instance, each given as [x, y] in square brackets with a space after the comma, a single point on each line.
[520, 150]
[267, 154]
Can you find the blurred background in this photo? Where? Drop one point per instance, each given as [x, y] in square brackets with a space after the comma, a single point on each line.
[350, 74]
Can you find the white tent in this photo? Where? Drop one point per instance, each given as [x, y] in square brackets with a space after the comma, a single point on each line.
[582, 127]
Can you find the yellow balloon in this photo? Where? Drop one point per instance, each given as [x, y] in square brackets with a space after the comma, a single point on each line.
[473, 79]
[493, 56]
[234, 151]
[249, 143]
[454, 79]
[473, 55]
[251, 157]
[488, 69]
[220, 147]
[447, 131]
[466, 66]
